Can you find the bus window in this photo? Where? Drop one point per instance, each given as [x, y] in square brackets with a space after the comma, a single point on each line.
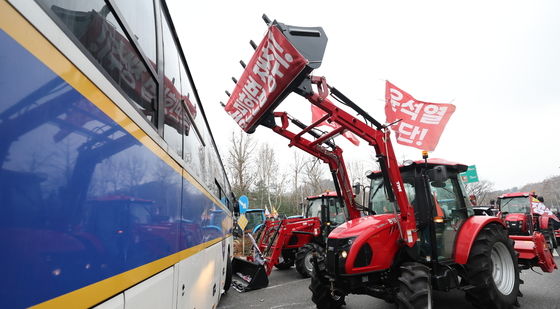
[139, 15]
[173, 108]
[94, 28]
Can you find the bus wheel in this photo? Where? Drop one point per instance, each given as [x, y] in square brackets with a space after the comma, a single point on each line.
[227, 283]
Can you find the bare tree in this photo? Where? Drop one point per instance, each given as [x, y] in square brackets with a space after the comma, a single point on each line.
[267, 167]
[240, 165]
[297, 170]
[314, 173]
[481, 190]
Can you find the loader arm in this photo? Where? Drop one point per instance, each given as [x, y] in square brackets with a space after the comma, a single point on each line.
[282, 64]
[379, 138]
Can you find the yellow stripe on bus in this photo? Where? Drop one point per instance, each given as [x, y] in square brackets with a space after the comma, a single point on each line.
[95, 293]
[27, 36]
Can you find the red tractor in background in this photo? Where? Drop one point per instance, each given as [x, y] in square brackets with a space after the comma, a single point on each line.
[285, 242]
[418, 233]
[332, 213]
[525, 213]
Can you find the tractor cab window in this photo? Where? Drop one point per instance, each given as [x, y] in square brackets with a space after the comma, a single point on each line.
[451, 210]
[518, 204]
[314, 209]
[337, 213]
[378, 199]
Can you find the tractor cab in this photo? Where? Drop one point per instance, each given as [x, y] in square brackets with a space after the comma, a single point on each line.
[436, 193]
[516, 210]
[525, 213]
[328, 208]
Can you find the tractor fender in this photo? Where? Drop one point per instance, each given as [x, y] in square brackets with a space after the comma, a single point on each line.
[543, 222]
[468, 233]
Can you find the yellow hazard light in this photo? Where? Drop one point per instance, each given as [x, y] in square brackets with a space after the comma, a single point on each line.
[424, 154]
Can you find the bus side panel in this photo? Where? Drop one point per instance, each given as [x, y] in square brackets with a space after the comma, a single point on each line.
[81, 199]
[116, 302]
[156, 292]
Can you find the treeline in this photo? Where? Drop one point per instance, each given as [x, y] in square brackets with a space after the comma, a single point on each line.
[254, 170]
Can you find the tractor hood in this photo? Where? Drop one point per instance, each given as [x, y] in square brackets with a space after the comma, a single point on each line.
[515, 217]
[359, 226]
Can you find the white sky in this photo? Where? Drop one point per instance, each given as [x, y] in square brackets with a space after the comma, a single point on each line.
[497, 61]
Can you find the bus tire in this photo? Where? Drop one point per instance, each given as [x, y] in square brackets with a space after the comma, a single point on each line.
[415, 289]
[493, 287]
[227, 283]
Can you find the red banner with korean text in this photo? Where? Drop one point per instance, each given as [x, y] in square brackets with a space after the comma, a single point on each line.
[421, 123]
[317, 113]
[273, 67]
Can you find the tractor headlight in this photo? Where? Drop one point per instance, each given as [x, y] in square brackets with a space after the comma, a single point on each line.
[343, 254]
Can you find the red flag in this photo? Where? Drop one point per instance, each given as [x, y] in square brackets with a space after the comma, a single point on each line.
[421, 123]
[317, 113]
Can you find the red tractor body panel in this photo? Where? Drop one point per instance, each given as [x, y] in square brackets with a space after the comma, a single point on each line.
[468, 233]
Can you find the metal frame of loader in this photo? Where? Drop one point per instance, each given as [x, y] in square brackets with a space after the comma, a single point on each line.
[394, 269]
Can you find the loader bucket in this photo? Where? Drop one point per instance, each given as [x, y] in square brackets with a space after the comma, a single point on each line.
[533, 251]
[248, 275]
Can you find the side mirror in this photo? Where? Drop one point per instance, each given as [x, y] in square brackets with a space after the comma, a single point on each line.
[541, 199]
[438, 174]
[357, 188]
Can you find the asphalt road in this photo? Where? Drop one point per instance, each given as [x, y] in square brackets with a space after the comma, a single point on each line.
[288, 290]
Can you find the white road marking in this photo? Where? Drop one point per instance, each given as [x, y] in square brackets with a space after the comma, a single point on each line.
[283, 284]
[555, 252]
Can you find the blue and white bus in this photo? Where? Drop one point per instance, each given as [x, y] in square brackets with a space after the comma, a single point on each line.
[112, 191]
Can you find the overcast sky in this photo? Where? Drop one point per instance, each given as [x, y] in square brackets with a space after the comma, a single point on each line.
[497, 61]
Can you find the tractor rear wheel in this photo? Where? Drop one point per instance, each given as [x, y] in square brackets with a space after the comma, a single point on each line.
[323, 296]
[415, 289]
[550, 238]
[493, 270]
[304, 266]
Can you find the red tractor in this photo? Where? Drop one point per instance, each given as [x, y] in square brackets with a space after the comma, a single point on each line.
[328, 208]
[525, 214]
[417, 233]
[283, 243]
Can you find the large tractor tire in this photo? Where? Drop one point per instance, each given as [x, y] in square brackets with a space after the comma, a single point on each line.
[493, 270]
[320, 286]
[304, 265]
[415, 289]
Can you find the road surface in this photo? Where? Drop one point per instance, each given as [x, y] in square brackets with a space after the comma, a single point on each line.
[288, 290]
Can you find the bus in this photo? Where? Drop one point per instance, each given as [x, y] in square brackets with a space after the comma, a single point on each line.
[112, 191]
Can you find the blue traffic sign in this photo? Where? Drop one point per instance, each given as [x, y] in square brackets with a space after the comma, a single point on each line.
[243, 202]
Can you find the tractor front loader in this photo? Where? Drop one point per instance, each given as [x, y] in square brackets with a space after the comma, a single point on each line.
[416, 234]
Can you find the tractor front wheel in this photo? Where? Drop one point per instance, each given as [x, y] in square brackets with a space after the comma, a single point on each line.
[304, 266]
[323, 296]
[415, 289]
[287, 260]
[492, 270]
